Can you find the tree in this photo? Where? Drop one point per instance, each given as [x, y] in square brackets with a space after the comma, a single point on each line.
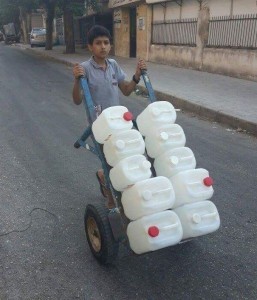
[17, 11]
[9, 10]
[69, 8]
[203, 3]
[50, 14]
[8, 13]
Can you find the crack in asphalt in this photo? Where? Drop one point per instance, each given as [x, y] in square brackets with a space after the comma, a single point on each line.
[30, 222]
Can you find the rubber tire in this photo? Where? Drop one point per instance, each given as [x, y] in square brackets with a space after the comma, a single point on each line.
[109, 247]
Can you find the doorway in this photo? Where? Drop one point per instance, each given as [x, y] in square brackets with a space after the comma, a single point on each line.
[133, 32]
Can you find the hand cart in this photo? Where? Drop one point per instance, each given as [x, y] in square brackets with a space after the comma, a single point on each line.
[105, 228]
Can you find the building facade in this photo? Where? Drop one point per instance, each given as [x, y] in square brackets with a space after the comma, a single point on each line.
[131, 27]
[213, 35]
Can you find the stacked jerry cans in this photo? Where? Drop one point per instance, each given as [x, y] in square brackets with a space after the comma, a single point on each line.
[165, 143]
[165, 209]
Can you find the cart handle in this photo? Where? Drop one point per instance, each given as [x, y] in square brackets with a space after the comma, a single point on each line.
[148, 85]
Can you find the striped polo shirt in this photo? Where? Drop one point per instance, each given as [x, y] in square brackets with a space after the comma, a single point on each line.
[103, 84]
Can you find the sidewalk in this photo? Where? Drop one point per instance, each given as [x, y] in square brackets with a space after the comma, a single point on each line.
[223, 99]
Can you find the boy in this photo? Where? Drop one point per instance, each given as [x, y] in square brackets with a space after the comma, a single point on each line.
[104, 77]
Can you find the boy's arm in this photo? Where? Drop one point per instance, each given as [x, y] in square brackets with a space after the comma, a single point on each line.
[127, 87]
[76, 92]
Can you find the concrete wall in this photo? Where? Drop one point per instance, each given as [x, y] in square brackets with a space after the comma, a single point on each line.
[184, 56]
[158, 12]
[173, 11]
[122, 34]
[190, 9]
[244, 7]
[141, 32]
[144, 13]
[219, 7]
[232, 62]
[173, 55]
[122, 31]
[237, 63]
[233, 7]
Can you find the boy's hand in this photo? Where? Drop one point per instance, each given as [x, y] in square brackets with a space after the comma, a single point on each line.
[141, 65]
[78, 71]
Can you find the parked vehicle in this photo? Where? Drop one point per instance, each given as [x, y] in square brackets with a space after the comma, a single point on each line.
[1, 36]
[11, 33]
[38, 37]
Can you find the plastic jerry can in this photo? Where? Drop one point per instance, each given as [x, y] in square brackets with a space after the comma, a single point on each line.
[156, 114]
[191, 186]
[147, 197]
[123, 144]
[164, 138]
[130, 170]
[198, 218]
[112, 119]
[173, 161]
[154, 232]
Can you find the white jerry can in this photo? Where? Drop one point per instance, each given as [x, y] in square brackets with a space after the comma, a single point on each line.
[147, 197]
[164, 138]
[154, 232]
[173, 161]
[112, 119]
[156, 114]
[130, 170]
[198, 218]
[123, 144]
[192, 186]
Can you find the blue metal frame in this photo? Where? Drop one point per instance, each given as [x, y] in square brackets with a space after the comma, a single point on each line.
[148, 86]
[116, 220]
[91, 115]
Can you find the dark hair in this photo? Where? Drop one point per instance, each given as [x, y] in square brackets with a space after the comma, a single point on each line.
[97, 31]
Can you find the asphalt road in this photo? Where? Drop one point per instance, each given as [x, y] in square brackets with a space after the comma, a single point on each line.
[45, 185]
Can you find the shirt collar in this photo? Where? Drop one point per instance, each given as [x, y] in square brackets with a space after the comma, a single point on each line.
[95, 64]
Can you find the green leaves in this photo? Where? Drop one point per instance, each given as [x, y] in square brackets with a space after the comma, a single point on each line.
[9, 10]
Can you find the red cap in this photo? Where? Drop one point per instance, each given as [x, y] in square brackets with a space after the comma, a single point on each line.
[208, 181]
[128, 116]
[153, 231]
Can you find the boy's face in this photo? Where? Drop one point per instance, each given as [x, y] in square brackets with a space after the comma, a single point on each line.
[101, 47]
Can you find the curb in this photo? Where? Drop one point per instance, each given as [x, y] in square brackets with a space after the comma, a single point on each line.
[50, 57]
[203, 112]
[216, 116]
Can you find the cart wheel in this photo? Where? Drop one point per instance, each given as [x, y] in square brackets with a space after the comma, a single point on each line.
[99, 234]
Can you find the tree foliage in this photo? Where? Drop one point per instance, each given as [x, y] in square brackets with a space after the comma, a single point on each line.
[9, 10]
[69, 9]
[17, 10]
[8, 13]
